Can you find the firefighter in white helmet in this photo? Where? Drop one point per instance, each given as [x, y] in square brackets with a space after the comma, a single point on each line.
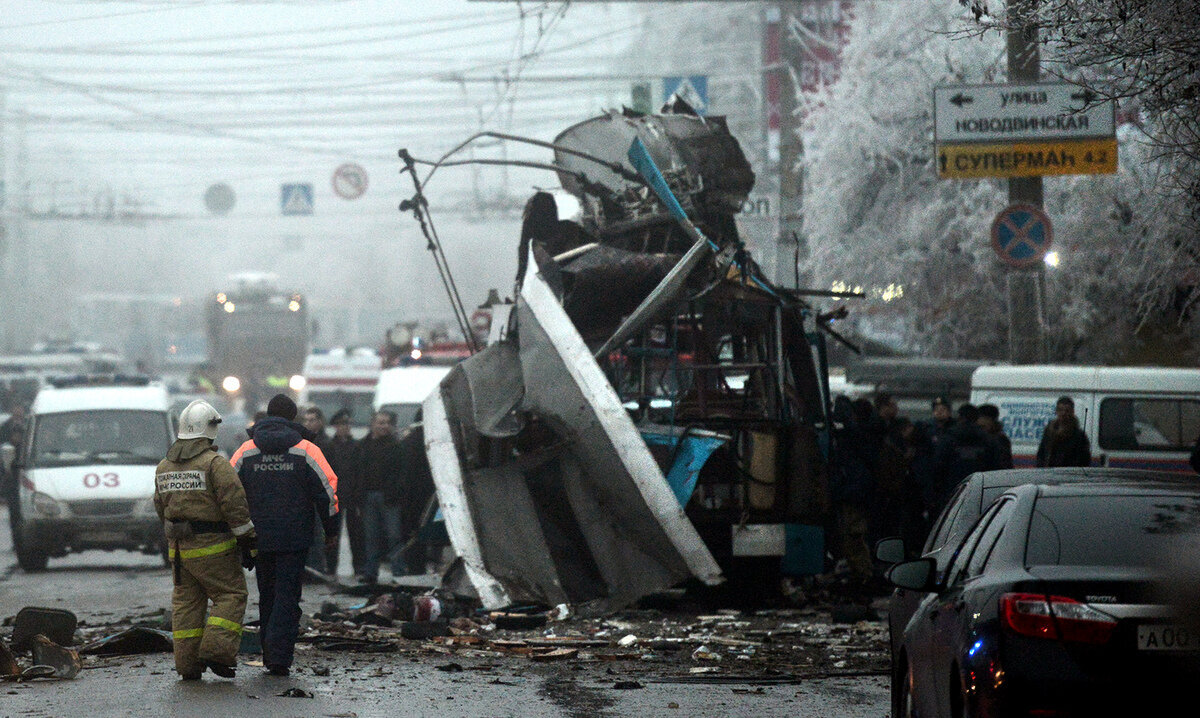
[210, 536]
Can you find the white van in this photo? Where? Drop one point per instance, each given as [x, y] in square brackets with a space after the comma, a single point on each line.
[342, 379]
[402, 389]
[86, 477]
[1135, 417]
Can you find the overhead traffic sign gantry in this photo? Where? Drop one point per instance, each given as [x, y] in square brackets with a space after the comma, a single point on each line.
[1022, 130]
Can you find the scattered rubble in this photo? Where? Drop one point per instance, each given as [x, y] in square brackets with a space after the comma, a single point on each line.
[756, 647]
[662, 645]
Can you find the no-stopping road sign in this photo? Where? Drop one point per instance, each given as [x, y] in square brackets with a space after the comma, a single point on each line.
[350, 181]
[1021, 235]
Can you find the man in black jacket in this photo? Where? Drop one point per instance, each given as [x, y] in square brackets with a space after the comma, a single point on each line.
[965, 449]
[288, 482]
[341, 452]
[322, 555]
[989, 419]
[418, 490]
[379, 473]
[1064, 443]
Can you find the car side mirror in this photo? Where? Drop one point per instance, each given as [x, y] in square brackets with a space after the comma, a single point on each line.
[918, 575]
[890, 550]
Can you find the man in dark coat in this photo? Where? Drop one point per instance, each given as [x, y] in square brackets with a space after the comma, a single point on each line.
[288, 483]
[322, 556]
[852, 486]
[380, 473]
[418, 490]
[1064, 443]
[341, 454]
[941, 419]
[921, 490]
[989, 419]
[964, 450]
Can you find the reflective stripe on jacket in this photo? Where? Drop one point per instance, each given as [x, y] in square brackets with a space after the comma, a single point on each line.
[287, 479]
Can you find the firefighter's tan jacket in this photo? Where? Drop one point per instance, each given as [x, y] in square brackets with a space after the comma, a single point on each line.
[195, 483]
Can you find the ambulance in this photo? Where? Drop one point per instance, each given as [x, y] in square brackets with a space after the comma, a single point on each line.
[339, 379]
[86, 476]
[1134, 417]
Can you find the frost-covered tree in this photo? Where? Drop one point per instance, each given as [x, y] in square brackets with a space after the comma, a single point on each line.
[877, 217]
[1145, 53]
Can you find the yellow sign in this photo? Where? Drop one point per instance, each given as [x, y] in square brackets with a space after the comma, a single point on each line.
[1027, 159]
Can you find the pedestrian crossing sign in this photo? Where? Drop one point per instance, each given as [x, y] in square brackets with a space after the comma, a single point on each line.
[296, 199]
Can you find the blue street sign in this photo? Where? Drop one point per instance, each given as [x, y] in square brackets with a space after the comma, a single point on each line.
[692, 90]
[296, 199]
[1021, 235]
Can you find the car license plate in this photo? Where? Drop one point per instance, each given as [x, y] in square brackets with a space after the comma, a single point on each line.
[1167, 637]
[103, 537]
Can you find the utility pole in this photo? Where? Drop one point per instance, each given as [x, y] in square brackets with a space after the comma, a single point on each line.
[5, 229]
[1026, 287]
[791, 147]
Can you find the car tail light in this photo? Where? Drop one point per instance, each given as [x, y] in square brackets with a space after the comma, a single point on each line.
[1041, 616]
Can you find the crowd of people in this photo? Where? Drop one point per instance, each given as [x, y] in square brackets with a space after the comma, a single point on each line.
[384, 489]
[891, 476]
[276, 505]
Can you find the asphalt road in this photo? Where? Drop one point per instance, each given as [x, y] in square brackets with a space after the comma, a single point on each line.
[103, 587]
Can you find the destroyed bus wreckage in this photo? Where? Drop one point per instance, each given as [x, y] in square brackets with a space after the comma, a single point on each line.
[650, 409]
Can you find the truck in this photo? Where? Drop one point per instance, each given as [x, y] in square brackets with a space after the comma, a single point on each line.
[258, 338]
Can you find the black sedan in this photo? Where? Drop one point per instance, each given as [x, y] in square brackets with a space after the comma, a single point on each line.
[1063, 600]
[963, 509]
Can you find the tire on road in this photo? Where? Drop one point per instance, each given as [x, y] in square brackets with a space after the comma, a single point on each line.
[30, 555]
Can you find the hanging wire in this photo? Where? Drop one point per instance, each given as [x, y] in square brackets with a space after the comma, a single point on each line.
[418, 205]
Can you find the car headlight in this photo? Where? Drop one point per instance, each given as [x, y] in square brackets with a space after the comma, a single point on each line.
[46, 505]
[297, 382]
[231, 384]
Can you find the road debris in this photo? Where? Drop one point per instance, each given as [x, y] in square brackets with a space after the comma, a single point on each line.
[56, 624]
[8, 662]
[64, 661]
[130, 641]
[294, 693]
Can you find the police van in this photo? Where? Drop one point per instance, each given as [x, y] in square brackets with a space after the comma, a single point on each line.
[1134, 417]
[86, 475]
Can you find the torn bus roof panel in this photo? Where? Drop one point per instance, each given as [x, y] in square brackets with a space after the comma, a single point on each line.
[637, 531]
[571, 508]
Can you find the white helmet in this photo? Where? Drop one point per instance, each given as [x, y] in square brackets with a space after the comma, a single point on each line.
[198, 420]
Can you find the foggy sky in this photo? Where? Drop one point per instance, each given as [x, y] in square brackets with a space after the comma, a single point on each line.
[147, 104]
